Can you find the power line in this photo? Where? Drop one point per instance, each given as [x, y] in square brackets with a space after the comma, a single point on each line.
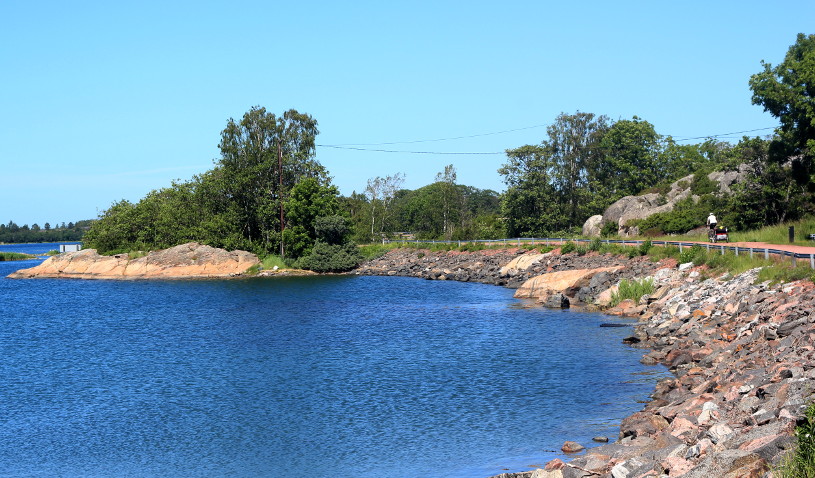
[335, 146]
[438, 139]
[355, 146]
[724, 134]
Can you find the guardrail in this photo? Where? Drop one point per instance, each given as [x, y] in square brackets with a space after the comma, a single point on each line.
[794, 256]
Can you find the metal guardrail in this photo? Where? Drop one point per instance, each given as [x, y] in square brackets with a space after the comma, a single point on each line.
[561, 240]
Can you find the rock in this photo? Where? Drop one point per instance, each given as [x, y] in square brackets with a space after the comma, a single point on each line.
[593, 226]
[557, 301]
[180, 262]
[572, 447]
[542, 286]
[600, 439]
[522, 263]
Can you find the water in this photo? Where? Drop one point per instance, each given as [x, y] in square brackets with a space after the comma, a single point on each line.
[320, 376]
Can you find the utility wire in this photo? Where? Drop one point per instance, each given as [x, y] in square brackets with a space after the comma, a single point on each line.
[355, 146]
[438, 139]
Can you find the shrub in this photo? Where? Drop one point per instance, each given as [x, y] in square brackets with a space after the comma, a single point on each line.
[609, 229]
[269, 262]
[330, 258]
[688, 254]
[581, 249]
[633, 289]
[568, 247]
[595, 244]
[801, 462]
[645, 247]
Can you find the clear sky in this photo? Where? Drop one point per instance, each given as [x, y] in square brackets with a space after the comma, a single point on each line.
[101, 101]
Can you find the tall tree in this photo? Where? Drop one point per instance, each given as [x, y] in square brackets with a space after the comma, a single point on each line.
[627, 163]
[255, 178]
[573, 145]
[787, 92]
[530, 203]
[380, 193]
[449, 198]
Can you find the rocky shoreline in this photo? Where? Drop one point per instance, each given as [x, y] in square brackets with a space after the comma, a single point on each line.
[741, 354]
[185, 261]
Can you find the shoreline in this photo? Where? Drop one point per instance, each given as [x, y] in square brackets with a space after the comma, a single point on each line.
[739, 353]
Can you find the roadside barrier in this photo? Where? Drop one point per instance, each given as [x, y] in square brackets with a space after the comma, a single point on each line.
[548, 241]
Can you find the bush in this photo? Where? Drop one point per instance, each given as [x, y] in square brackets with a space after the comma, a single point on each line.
[801, 462]
[581, 250]
[595, 244]
[645, 247]
[688, 254]
[568, 247]
[633, 289]
[609, 229]
[330, 258]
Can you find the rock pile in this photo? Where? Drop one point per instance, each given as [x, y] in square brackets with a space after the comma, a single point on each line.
[189, 260]
[741, 353]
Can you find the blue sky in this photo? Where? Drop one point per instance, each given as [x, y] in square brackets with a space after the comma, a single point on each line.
[101, 101]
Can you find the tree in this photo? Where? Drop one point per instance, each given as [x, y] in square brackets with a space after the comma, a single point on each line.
[787, 92]
[255, 179]
[380, 193]
[307, 201]
[530, 202]
[572, 144]
[447, 189]
[627, 163]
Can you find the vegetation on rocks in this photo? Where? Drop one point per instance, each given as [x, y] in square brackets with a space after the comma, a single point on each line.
[14, 256]
[632, 289]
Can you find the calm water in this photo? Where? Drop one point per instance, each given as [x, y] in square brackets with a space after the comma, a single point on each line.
[325, 377]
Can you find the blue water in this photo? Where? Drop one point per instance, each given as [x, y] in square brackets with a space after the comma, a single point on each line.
[337, 376]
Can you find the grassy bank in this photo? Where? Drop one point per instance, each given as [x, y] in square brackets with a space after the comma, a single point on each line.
[15, 256]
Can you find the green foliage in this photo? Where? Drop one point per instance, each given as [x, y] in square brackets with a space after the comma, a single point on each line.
[595, 244]
[12, 233]
[629, 162]
[568, 247]
[581, 249]
[701, 185]
[786, 92]
[645, 247]
[330, 258]
[271, 261]
[785, 273]
[689, 254]
[374, 251]
[800, 463]
[14, 256]
[633, 289]
[609, 229]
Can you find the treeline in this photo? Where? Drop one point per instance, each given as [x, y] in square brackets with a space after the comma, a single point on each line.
[441, 210]
[12, 233]
[268, 194]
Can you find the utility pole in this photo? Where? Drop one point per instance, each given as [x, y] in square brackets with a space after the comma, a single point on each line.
[280, 193]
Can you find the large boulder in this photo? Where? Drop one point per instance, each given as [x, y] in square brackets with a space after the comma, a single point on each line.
[566, 282]
[629, 208]
[180, 262]
[522, 263]
[593, 226]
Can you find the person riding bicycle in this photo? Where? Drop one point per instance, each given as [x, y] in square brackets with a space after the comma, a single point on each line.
[711, 222]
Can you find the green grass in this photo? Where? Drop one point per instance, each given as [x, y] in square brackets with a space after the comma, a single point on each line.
[779, 234]
[800, 463]
[632, 289]
[269, 262]
[14, 256]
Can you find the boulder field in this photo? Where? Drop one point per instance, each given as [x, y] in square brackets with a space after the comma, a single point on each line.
[191, 260]
[741, 354]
